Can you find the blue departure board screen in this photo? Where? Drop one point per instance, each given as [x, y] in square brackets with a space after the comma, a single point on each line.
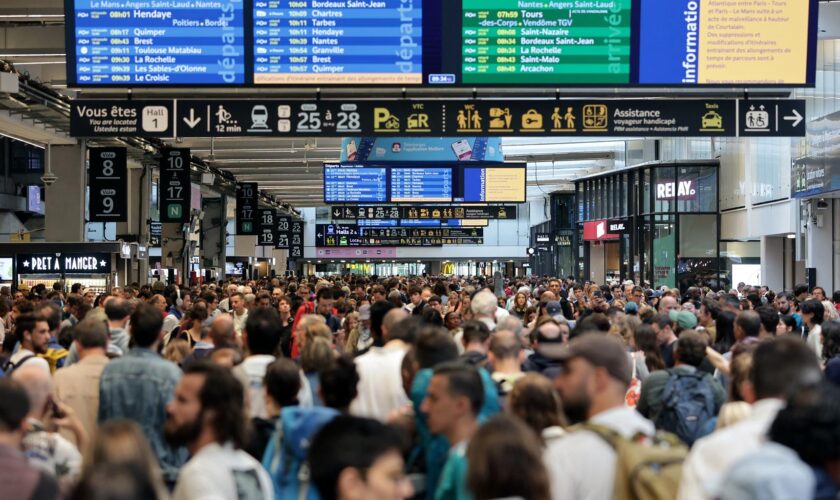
[421, 185]
[355, 184]
[340, 42]
[160, 42]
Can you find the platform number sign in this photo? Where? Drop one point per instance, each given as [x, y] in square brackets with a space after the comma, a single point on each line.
[108, 182]
[267, 227]
[283, 233]
[246, 209]
[175, 191]
[296, 242]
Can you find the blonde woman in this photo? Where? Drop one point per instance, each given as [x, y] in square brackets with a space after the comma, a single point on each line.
[121, 443]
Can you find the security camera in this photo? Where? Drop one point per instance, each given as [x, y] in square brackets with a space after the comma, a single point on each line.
[822, 204]
[49, 178]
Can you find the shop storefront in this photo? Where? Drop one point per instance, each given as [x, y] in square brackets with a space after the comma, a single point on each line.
[93, 265]
[655, 223]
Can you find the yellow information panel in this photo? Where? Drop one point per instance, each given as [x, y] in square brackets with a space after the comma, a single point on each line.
[505, 185]
[741, 40]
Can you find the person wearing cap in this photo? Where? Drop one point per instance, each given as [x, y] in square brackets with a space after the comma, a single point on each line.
[592, 385]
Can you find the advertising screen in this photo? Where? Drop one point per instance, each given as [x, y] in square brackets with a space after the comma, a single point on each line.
[408, 43]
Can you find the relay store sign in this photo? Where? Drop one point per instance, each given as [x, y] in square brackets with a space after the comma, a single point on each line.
[603, 230]
[684, 190]
[96, 263]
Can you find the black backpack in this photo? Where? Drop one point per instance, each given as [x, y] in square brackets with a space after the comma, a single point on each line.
[9, 367]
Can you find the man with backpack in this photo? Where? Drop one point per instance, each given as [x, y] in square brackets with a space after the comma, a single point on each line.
[608, 455]
[34, 335]
[682, 400]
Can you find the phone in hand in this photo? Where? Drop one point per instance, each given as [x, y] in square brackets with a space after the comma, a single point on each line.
[56, 411]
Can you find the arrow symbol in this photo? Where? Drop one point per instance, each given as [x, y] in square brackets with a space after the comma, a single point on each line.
[796, 118]
[193, 120]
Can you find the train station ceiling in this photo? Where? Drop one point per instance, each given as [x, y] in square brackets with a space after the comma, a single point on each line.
[32, 40]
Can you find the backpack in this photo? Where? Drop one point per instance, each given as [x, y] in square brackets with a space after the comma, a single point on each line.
[286, 455]
[9, 367]
[688, 402]
[647, 468]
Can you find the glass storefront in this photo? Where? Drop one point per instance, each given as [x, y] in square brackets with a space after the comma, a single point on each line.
[655, 223]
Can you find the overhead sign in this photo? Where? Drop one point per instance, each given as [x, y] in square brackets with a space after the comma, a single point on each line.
[603, 230]
[64, 263]
[760, 118]
[175, 189]
[296, 241]
[108, 183]
[118, 118]
[246, 208]
[283, 234]
[426, 212]
[339, 235]
[559, 118]
[160, 43]
[357, 253]
[155, 234]
[267, 227]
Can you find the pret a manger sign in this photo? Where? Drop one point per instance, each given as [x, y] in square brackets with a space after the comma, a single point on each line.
[96, 263]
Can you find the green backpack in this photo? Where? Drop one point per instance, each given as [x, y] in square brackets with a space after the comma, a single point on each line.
[647, 468]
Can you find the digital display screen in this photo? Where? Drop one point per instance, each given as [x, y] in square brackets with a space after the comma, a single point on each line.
[160, 42]
[34, 201]
[406, 43]
[421, 185]
[341, 42]
[494, 185]
[355, 184]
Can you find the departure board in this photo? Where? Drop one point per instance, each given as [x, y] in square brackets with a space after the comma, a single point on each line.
[494, 185]
[338, 42]
[441, 43]
[546, 42]
[160, 42]
[355, 184]
[422, 185]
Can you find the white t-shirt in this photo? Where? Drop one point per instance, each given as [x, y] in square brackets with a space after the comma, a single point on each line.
[33, 360]
[219, 472]
[581, 466]
[380, 383]
[251, 373]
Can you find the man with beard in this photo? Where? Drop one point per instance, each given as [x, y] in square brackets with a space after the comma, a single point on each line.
[592, 387]
[34, 335]
[208, 418]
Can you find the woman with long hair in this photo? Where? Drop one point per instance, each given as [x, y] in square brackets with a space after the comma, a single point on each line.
[534, 401]
[519, 308]
[644, 340]
[119, 445]
[505, 461]
[725, 331]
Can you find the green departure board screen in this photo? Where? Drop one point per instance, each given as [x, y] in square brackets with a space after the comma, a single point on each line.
[546, 42]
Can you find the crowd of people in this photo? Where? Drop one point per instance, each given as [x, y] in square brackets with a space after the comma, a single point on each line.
[349, 387]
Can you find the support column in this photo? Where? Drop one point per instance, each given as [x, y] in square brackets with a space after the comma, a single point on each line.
[65, 199]
[172, 248]
[213, 233]
[820, 249]
[772, 262]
